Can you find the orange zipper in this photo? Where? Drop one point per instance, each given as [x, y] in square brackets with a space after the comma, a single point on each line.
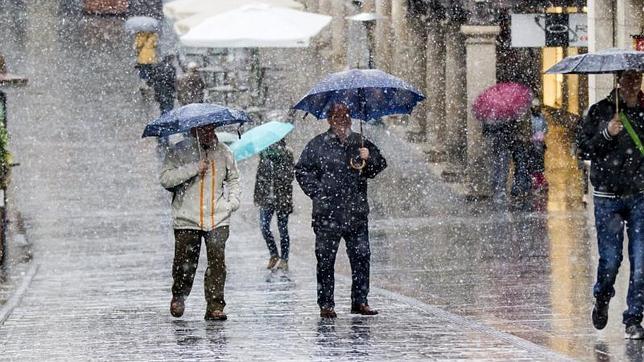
[212, 194]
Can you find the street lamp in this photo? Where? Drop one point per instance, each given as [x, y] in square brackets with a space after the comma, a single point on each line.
[369, 21]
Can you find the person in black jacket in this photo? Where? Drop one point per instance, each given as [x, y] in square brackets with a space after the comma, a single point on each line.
[163, 79]
[617, 173]
[274, 195]
[340, 208]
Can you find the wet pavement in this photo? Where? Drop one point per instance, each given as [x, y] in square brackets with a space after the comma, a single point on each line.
[485, 283]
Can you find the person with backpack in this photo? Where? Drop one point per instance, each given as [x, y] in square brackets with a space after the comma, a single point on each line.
[203, 176]
[274, 196]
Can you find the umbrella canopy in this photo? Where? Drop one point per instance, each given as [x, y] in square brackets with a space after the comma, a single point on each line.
[227, 138]
[257, 26]
[212, 8]
[502, 102]
[601, 62]
[182, 9]
[260, 138]
[142, 23]
[369, 94]
[191, 116]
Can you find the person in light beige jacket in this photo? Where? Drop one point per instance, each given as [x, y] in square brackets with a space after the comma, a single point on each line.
[203, 176]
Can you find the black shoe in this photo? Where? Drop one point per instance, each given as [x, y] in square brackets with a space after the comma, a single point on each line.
[177, 306]
[215, 315]
[363, 309]
[600, 313]
[634, 331]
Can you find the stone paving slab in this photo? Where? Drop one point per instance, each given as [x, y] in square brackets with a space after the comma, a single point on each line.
[97, 312]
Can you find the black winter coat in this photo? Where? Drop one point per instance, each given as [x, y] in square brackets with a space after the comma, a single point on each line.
[274, 180]
[338, 191]
[617, 166]
[163, 80]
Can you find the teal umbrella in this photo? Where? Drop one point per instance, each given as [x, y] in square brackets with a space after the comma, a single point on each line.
[260, 138]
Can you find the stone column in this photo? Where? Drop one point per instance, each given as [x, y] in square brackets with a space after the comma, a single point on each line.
[311, 5]
[455, 136]
[629, 21]
[409, 43]
[481, 73]
[600, 36]
[400, 27]
[383, 35]
[435, 91]
[368, 6]
[339, 37]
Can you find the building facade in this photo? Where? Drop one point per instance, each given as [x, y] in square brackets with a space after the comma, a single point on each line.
[453, 49]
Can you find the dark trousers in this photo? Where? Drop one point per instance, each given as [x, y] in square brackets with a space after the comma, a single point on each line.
[522, 180]
[611, 214]
[186, 257]
[327, 240]
[166, 104]
[265, 216]
[144, 72]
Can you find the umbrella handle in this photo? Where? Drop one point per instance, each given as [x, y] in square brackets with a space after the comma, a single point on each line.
[362, 163]
[357, 166]
[198, 145]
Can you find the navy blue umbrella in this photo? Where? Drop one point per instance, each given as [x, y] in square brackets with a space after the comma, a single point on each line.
[369, 94]
[191, 116]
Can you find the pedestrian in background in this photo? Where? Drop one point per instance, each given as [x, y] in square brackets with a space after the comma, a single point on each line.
[508, 141]
[164, 76]
[340, 206]
[274, 196]
[190, 86]
[538, 150]
[197, 170]
[145, 43]
[617, 173]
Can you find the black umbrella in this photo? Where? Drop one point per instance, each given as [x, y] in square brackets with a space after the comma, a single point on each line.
[602, 62]
[607, 61]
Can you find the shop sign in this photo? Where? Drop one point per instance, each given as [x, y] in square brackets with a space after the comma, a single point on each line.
[549, 30]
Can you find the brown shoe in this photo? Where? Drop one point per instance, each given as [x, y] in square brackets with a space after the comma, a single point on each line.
[327, 313]
[177, 306]
[363, 309]
[215, 315]
[282, 265]
[272, 262]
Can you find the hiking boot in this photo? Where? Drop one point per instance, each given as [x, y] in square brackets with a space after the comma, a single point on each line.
[600, 313]
[282, 265]
[327, 313]
[177, 306]
[634, 331]
[272, 261]
[215, 315]
[363, 309]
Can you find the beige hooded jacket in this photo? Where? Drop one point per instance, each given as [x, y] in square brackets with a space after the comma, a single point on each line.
[199, 203]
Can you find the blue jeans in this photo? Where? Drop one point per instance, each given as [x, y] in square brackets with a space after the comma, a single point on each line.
[611, 215]
[265, 216]
[327, 241]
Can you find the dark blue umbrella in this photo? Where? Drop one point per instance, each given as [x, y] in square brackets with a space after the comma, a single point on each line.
[191, 116]
[369, 94]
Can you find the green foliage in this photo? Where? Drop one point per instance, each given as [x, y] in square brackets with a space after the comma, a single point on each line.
[5, 156]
